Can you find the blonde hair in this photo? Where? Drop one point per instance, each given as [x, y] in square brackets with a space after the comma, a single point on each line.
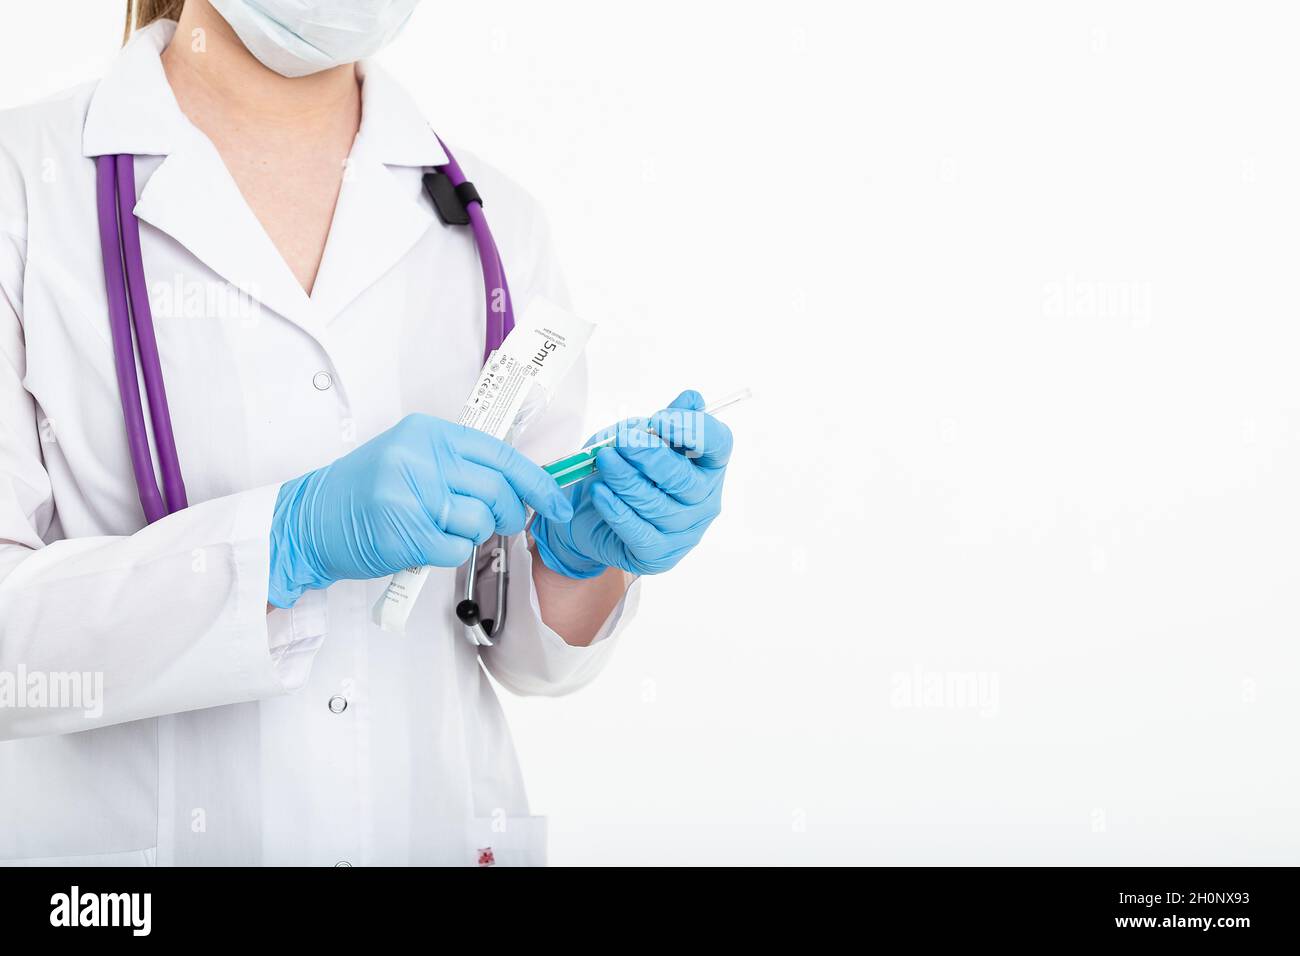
[141, 13]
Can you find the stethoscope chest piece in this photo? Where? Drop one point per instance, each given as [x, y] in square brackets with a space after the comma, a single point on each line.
[480, 630]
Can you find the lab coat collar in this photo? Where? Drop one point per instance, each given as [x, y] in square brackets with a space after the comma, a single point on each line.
[133, 110]
[193, 198]
[392, 126]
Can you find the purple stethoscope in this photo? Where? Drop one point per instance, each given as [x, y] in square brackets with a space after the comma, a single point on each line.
[455, 200]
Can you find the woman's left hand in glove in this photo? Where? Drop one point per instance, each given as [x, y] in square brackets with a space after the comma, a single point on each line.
[655, 492]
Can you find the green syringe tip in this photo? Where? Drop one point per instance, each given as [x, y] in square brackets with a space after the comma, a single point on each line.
[576, 475]
[564, 464]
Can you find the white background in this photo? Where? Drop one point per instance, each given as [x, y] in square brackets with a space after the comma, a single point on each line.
[1015, 285]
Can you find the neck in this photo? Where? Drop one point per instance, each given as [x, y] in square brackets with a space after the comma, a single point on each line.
[208, 60]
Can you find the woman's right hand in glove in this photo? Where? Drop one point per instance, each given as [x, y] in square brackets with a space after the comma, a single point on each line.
[422, 493]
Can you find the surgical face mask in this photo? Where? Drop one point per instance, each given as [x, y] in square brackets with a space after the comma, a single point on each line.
[299, 37]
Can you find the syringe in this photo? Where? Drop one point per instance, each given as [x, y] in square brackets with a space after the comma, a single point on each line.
[574, 468]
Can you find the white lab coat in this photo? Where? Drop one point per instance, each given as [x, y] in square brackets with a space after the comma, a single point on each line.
[219, 740]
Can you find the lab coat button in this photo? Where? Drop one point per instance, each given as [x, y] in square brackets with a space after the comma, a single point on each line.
[322, 380]
[338, 704]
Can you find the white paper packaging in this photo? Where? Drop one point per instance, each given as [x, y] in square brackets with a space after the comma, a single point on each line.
[525, 371]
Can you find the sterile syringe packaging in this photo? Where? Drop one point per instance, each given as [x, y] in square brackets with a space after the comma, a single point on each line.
[514, 388]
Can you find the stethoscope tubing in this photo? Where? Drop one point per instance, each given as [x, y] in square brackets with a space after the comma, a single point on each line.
[497, 323]
[131, 324]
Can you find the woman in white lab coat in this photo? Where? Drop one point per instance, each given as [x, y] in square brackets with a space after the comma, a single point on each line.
[154, 706]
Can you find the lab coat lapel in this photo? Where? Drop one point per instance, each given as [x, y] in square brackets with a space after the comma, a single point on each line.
[376, 222]
[380, 215]
[193, 198]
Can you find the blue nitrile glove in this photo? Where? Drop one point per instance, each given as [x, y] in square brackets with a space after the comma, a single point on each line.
[422, 493]
[651, 499]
